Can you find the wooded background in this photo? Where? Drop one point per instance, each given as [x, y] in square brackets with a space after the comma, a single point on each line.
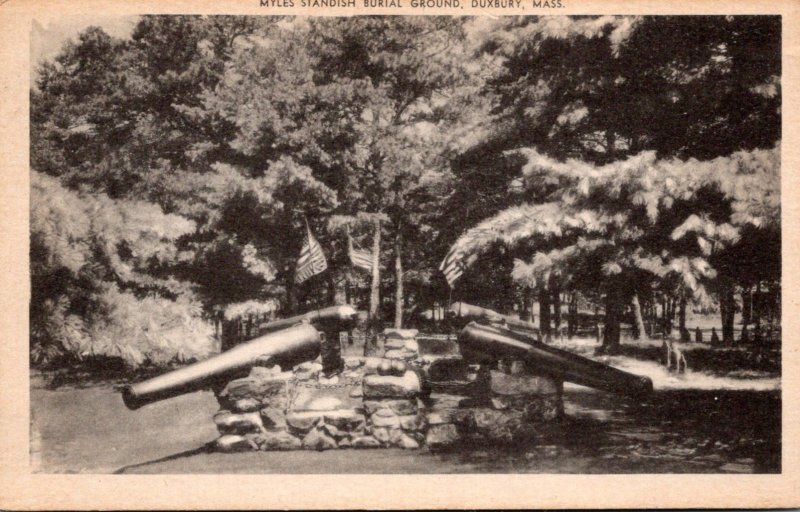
[624, 164]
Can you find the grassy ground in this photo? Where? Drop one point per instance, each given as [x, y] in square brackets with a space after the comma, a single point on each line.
[689, 425]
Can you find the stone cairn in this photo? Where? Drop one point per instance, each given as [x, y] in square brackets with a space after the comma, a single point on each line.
[404, 399]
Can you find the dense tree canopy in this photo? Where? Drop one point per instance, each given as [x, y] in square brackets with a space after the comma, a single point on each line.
[613, 157]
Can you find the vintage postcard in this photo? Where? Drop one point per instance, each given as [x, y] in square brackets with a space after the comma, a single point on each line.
[399, 254]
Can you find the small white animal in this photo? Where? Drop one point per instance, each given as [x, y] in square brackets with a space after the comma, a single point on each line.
[672, 351]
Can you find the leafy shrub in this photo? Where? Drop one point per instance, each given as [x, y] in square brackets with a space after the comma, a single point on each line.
[93, 289]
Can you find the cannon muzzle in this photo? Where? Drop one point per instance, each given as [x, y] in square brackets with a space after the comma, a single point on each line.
[338, 318]
[484, 344]
[286, 347]
[477, 313]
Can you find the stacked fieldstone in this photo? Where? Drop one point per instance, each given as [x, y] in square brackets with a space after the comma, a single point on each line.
[401, 344]
[504, 404]
[382, 402]
[391, 403]
[253, 412]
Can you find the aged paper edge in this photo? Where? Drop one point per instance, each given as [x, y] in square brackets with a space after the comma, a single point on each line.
[20, 489]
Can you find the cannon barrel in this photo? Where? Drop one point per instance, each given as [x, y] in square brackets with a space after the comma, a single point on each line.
[340, 318]
[471, 312]
[289, 346]
[485, 344]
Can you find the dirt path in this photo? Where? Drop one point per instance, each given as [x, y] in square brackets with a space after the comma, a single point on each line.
[90, 431]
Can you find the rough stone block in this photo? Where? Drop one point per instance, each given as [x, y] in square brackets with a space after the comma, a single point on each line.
[442, 436]
[411, 346]
[265, 372]
[381, 434]
[256, 387]
[412, 422]
[386, 386]
[400, 407]
[317, 439]
[349, 420]
[371, 365]
[303, 421]
[273, 418]
[307, 370]
[366, 442]
[278, 441]
[230, 423]
[407, 443]
[353, 363]
[385, 418]
[403, 334]
[234, 443]
[394, 344]
[246, 405]
[504, 384]
[344, 443]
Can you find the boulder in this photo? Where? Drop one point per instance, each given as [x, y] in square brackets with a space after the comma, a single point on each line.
[441, 436]
[504, 384]
[234, 443]
[366, 442]
[344, 443]
[317, 439]
[278, 441]
[387, 386]
[357, 392]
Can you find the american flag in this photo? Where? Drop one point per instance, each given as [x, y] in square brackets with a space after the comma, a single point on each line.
[453, 265]
[359, 257]
[312, 260]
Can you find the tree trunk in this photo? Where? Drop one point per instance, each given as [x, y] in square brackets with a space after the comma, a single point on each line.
[556, 297]
[398, 273]
[572, 315]
[747, 304]
[375, 293]
[682, 313]
[525, 313]
[611, 328]
[727, 308]
[544, 312]
[757, 312]
[639, 331]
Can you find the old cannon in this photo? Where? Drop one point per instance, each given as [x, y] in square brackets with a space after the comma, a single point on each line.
[285, 348]
[330, 319]
[470, 312]
[484, 344]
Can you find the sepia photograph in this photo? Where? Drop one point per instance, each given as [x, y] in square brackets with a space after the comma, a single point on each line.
[405, 244]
